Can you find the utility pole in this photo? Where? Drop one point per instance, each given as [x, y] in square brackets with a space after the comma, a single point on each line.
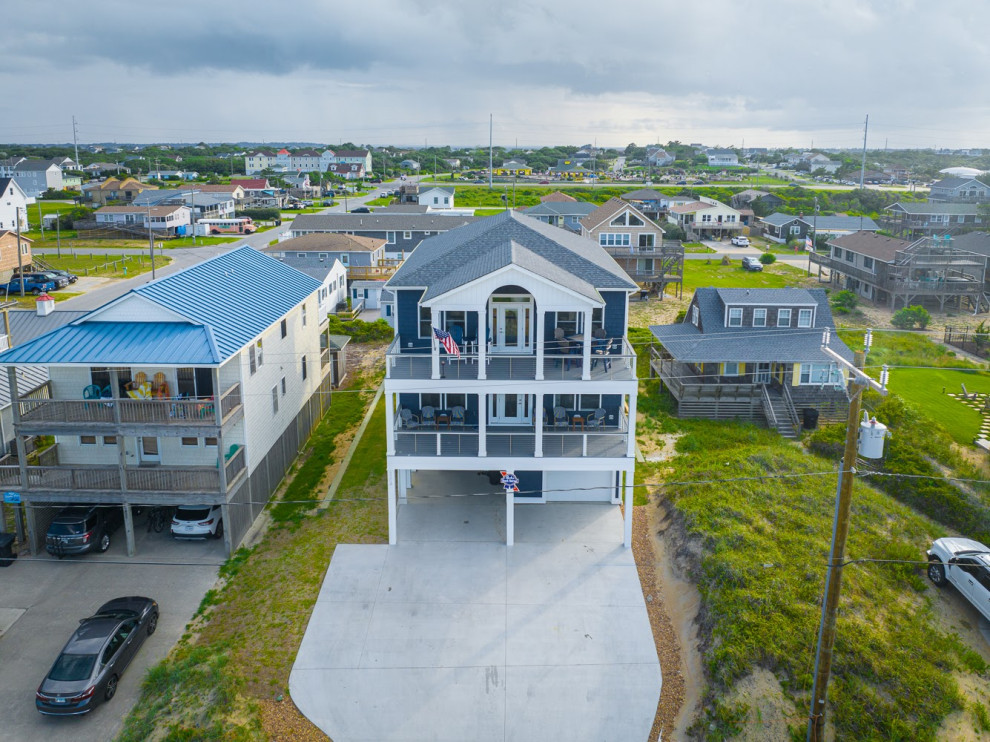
[862, 166]
[20, 261]
[75, 139]
[58, 233]
[41, 221]
[840, 532]
[490, 120]
[151, 242]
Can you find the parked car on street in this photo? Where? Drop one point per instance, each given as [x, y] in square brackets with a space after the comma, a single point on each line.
[78, 529]
[71, 277]
[740, 241]
[60, 281]
[966, 564]
[361, 210]
[197, 521]
[87, 670]
[752, 264]
[31, 286]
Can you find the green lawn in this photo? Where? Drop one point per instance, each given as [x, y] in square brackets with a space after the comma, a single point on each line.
[84, 265]
[488, 212]
[696, 247]
[701, 273]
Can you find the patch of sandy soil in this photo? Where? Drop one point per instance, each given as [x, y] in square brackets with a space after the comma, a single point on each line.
[365, 358]
[283, 722]
[770, 711]
[658, 447]
[963, 726]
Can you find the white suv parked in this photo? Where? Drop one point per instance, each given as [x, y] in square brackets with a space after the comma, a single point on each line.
[966, 564]
[740, 240]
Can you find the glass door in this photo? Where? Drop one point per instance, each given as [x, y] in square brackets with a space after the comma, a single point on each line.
[762, 375]
[509, 409]
[148, 452]
[511, 327]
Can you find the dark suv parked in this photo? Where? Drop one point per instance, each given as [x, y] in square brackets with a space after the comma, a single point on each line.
[78, 529]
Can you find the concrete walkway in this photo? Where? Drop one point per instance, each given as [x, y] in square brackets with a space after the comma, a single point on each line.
[451, 635]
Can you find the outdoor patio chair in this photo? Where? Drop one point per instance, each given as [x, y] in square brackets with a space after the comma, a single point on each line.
[457, 416]
[596, 420]
[138, 381]
[91, 392]
[598, 332]
[560, 418]
[409, 420]
[429, 415]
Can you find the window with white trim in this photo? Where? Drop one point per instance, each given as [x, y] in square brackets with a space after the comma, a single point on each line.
[804, 318]
[735, 317]
[731, 368]
[867, 263]
[390, 238]
[819, 373]
[783, 318]
[760, 317]
[407, 235]
[274, 400]
[694, 315]
[796, 229]
[425, 322]
[614, 239]
[647, 241]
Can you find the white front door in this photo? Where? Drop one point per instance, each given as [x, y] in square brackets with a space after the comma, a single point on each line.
[148, 452]
[511, 324]
[509, 409]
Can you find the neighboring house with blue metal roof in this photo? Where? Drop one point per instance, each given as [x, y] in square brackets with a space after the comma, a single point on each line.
[754, 354]
[197, 388]
[543, 382]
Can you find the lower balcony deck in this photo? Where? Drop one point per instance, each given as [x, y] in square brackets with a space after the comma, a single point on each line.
[506, 441]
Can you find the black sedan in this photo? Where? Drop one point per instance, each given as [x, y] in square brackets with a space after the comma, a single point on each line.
[89, 667]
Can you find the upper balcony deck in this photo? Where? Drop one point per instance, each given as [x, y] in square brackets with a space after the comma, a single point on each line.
[618, 364]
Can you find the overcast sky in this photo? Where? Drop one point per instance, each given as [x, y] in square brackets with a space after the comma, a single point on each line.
[409, 72]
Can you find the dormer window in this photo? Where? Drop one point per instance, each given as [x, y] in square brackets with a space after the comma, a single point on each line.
[694, 315]
[760, 317]
[735, 317]
[804, 318]
[783, 318]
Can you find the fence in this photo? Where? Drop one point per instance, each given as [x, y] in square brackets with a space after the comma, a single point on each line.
[975, 341]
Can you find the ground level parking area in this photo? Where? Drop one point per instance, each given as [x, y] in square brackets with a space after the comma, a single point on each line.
[43, 598]
[452, 635]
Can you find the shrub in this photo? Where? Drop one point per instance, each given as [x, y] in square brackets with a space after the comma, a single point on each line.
[680, 316]
[844, 302]
[768, 258]
[725, 260]
[908, 317]
[265, 215]
[361, 331]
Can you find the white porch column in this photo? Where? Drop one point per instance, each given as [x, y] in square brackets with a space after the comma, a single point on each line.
[510, 517]
[538, 418]
[389, 424]
[482, 414]
[628, 504]
[586, 350]
[539, 345]
[393, 507]
[434, 345]
[631, 435]
[403, 484]
[482, 343]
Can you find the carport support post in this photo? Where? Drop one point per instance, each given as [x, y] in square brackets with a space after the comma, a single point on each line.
[586, 348]
[510, 516]
[129, 529]
[389, 424]
[393, 506]
[540, 342]
[482, 346]
[538, 420]
[482, 415]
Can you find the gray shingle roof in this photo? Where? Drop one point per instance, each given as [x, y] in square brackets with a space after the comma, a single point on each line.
[953, 182]
[686, 343]
[921, 208]
[318, 269]
[561, 208]
[825, 223]
[643, 194]
[975, 242]
[455, 258]
[378, 222]
[32, 165]
[767, 297]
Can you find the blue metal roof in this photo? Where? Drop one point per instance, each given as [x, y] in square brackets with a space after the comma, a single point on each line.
[238, 295]
[125, 343]
[228, 301]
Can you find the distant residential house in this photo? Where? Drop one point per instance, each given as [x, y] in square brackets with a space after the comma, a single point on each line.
[820, 162]
[571, 170]
[754, 354]
[722, 158]
[409, 165]
[658, 157]
[400, 233]
[305, 160]
[258, 192]
[556, 197]
[891, 271]
[746, 197]
[437, 198]
[71, 182]
[783, 227]
[454, 162]
[8, 253]
[360, 157]
[234, 191]
[368, 291]
[652, 203]
[706, 218]
[203, 205]
[635, 242]
[566, 214]
[173, 174]
[37, 176]
[297, 180]
[512, 168]
[99, 168]
[13, 205]
[960, 191]
[359, 255]
[283, 160]
[917, 218]
[347, 170]
[387, 306]
[115, 189]
[259, 160]
[165, 219]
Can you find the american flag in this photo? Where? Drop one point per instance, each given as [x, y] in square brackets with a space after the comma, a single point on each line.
[448, 343]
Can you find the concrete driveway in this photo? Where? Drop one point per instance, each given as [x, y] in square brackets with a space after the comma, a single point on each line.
[451, 635]
[42, 600]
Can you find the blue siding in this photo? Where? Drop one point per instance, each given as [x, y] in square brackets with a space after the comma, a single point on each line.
[530, 483]
[615, 313]
[407, 318]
